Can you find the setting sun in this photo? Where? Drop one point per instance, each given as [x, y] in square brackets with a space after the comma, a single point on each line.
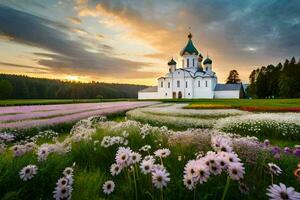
[72, 78]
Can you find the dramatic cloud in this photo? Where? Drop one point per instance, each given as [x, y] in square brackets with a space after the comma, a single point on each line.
[89, 39]
[237, 34]
[69, 56]
[40, 69]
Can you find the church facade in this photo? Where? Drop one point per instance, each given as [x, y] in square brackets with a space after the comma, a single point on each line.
[194, 79]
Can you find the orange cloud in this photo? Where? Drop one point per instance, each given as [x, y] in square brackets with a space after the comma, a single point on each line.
[150, 32]
[75, 20]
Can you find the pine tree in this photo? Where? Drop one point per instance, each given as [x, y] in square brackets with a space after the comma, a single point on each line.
[233, 77]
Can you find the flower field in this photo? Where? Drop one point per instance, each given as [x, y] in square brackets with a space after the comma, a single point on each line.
[34, 116]
[103, 159]
[284, 126]
[158, 152]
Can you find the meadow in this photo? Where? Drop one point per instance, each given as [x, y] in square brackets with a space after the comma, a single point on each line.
[44, 115]
[16, 102]
[161, 151]
[260, 105]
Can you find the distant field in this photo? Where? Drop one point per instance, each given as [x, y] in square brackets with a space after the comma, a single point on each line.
[244, 104]
[15, 102]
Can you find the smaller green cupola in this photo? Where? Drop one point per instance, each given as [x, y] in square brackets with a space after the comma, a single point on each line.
[207, 61]
[172, 62]
[189, 48]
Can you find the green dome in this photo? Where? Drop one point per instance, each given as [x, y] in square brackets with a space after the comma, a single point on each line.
[172, 62]
[207, 61]
[189, 48]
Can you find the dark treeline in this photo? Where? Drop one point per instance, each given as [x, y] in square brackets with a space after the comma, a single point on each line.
[24, 87]
[280, 81]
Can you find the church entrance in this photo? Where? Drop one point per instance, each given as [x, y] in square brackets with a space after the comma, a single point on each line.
[179, 95]
[174, 95]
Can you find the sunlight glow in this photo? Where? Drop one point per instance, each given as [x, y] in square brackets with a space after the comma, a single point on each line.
[72, 78]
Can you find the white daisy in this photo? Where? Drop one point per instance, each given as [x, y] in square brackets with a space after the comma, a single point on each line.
[62, 182]
[150, 158]
[188, 181]
[28, 172]
[18, 150]
[115, 169]
[68, 171]
[163, 153]
[202, 172]
[225, 148]
[145, 148]
[231, 157]
[160, 178]
[135, 157]
[281, 192]
[123, 156]
[146, 166]
[220, 143]
[108, 187]
[274, 169]
[63, 192]
[43, 153]
[222, 162]
[236, 171]
[215, 169]
[106, 142]
[190, 168]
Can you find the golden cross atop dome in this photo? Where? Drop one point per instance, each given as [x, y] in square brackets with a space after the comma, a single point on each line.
[190, 34]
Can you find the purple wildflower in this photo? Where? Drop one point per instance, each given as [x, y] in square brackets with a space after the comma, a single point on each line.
[297, 151]
[287, 150]
[276, 150]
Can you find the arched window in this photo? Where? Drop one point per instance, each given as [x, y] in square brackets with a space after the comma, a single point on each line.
[168, 84]
[198, 83]
[186, 84]
[161, 84]
[193, 62]
[178, 83]
[188, 62]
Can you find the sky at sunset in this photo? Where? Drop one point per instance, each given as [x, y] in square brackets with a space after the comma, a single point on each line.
[131, 41]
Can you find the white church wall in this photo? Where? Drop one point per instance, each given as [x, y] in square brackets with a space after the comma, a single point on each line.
[204, 89]
[149, 95]
[227, 94]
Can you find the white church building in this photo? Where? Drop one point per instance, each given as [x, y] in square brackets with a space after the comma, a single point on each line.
[194, 79]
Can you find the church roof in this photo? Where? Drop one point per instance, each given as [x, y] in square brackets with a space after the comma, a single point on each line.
[150, 89]
[207, 61]
[223, 87]
[189, 48]
[172, 62]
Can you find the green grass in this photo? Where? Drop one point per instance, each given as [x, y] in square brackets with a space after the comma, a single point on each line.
[92, 170]
[14, 102]
[241, 102]
[269, 105]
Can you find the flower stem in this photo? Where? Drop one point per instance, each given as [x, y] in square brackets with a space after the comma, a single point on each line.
[194, 193]
[226, 188]
[272, 178]
[135, 188]
[162, 194]
[161, 161]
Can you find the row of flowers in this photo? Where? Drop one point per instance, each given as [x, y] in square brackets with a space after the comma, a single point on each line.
[50, 117]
